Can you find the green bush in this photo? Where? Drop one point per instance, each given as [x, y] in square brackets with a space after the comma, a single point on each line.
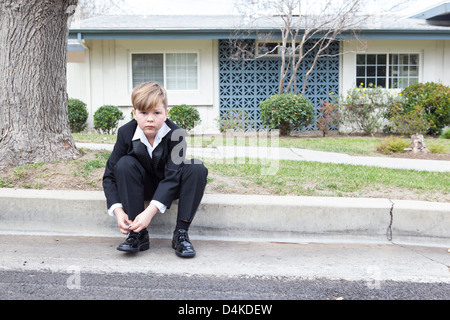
[436, 148]
[434, 98]
[364, 108]
[185, 116]
[287, 111]
[411, 122]
[78, 115]
[106, 119]
[392, 145]
[445, 134]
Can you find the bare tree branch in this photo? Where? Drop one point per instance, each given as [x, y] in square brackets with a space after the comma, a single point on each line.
[300, 22]
[91, 8]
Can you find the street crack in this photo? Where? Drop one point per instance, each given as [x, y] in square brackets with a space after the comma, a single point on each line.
[389, 228]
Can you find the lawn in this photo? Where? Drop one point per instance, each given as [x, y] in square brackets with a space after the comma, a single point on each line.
[248, 176]
[304, 178]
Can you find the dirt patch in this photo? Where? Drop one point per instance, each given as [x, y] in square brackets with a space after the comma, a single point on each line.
[421, 155]
[218, 183]
[401, 194]
[86, 174]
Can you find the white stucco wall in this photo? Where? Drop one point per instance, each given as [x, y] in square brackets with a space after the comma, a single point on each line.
[105, 75]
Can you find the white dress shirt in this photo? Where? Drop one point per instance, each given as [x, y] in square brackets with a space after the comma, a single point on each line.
[139, 135]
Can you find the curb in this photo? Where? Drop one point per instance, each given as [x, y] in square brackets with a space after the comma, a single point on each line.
[238, 217]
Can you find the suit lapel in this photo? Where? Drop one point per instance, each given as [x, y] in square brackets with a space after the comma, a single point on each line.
[142, 154]
[157, 154]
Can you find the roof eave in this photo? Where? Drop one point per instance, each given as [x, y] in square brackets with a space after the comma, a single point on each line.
[87, 34]
[163, 33]
[433, 12]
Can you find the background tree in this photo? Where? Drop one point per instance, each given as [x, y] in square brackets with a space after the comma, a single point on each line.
[91, 8]
[34, 125]
[318, 22]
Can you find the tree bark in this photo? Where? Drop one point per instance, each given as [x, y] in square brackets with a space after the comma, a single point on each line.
[34, 124]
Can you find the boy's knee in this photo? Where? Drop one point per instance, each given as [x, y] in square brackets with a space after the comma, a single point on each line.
[197, 168]
[201, 169]
[126, 164]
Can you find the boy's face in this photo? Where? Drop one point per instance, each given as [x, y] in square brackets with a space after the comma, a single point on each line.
[151, 121]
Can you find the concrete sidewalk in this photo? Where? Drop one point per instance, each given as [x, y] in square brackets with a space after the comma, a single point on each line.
[273, 154]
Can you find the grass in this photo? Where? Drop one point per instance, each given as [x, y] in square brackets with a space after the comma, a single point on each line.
[85, 168]
[304, 178]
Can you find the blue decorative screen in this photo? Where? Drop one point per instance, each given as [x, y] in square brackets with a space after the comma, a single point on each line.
[244, 84]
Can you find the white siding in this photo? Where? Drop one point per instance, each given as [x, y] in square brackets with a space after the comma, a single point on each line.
[105, 75]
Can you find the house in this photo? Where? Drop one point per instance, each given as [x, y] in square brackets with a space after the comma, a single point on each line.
[190, 55]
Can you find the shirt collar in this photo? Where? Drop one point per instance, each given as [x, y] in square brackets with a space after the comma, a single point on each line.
[162, 132]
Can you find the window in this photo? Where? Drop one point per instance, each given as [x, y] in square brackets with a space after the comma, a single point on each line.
[393, 71]
[403, 70]
[147, 67]
[176, 71]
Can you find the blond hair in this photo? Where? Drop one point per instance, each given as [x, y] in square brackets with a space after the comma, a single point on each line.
[147, 95]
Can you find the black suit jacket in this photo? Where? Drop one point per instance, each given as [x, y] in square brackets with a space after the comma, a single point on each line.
[165, 165]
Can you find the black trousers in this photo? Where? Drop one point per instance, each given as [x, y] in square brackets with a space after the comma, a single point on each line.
[136, 185]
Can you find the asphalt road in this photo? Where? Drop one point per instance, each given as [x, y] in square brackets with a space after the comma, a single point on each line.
[48, 285]
[55, 267]
[223, 294]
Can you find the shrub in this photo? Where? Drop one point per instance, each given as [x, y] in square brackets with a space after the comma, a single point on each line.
[106, 119]
[434, 98]
[78, 115]
[445, 134]
[392, 145]
[328, 117]
[411, 122]
[185, 116]
[436, 148]
[287, 111]
[233, 120]
[365, 107]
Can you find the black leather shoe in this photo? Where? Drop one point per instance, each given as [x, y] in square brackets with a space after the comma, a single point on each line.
[136, 241]
[182, 245]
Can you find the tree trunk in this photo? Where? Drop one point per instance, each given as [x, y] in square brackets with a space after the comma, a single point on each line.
[284, 127]
[34, 124]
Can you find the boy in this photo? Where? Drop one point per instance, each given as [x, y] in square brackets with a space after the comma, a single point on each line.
[147, 163]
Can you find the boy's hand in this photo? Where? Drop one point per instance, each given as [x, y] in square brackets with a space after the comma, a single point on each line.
[122, 220]
[143, 219]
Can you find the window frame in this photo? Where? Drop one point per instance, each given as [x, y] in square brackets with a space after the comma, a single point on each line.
[164, 53]
[388, 65]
